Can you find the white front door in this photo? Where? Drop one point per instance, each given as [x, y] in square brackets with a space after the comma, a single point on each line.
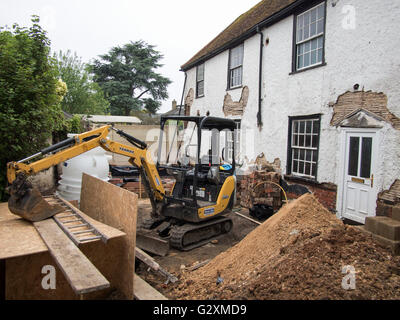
[359, 191]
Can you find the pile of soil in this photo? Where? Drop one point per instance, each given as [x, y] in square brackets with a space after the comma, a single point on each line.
[299, 253]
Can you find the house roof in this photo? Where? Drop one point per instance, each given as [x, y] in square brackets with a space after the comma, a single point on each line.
[112, 119]
[174, 112]
[244, 26]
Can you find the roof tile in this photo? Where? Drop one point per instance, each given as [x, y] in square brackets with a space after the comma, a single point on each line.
[240, 26]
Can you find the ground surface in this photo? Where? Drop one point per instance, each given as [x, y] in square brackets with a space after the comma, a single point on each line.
[302, 252]
[176, 260]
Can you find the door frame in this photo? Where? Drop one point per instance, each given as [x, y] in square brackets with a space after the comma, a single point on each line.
[344, 131]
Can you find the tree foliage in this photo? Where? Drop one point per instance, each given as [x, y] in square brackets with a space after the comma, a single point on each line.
[30, 94]
[83, 96]
[128, 75]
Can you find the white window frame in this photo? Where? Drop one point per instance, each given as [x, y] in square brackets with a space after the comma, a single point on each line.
[229, 142]
[302, 41]
[198, 81]
[311, 149]
[236, 65]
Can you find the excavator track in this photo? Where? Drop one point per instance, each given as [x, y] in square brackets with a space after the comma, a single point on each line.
[151, 223]
[189, 236]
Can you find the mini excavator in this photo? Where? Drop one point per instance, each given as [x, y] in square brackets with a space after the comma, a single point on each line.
[191, 214]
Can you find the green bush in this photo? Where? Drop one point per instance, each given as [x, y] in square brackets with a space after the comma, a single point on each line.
[29, 101]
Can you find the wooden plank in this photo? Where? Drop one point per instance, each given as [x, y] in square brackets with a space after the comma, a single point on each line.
[6, 214]
[115, 207]
[144, 291]
[250, 219]
[19, 238]
[144, 257]
[80, 273]
[199, 265]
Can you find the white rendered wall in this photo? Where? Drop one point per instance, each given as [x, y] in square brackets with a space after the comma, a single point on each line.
[366, 53]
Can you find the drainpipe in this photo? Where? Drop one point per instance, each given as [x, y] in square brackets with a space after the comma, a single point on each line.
[260, 69]
[176, 130]
[183, 93]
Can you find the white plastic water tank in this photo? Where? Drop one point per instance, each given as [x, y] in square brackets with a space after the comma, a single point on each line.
[93, 162]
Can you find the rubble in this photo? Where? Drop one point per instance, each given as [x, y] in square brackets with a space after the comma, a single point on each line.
[299, 253]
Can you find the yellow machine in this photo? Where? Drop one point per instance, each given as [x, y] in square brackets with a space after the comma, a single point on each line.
[190, 216]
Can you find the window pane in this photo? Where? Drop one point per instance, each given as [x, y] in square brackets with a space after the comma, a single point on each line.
[366, 151]
[307, 170]
[307, 59]
[306, 32]
[302, 127]
[316, 127]
[313, 15]
[295, 166]
[296, 154]
[308, 155]
[314, 157]
[315, 141]
[236, 77]
[313, 57]
[295, 127]
[313, 29]
[295, 140]
[308, 141]
[321, 11]
[300, 22]
[302, 154]
[301, 167]
[313, 170]
[236, 56]
[308, 126]
[301, 49]
[320, 26]
[200, 72]
[314, 44]
[300, 63]
[353, 156]
[200, 88]
[319, 55]
[307, 18]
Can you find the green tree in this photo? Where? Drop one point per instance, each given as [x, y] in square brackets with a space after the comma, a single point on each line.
[83, 96]
[128, 75]
[29, 103]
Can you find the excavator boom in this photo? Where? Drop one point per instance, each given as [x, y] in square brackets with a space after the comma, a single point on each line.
[27, 202]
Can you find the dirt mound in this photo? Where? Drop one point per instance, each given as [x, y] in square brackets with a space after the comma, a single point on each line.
[298, 253]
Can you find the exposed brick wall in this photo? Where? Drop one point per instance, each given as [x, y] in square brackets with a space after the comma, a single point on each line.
[375, 102]
[325, 192]
[235, 108]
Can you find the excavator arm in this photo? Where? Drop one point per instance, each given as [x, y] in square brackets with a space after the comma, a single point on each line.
[26, 200]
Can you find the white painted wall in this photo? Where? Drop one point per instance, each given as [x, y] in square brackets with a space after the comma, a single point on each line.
[368, 54]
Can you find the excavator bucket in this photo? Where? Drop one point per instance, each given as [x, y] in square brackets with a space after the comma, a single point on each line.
[27, 202]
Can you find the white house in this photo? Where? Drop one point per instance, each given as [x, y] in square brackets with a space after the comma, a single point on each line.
[317, 84]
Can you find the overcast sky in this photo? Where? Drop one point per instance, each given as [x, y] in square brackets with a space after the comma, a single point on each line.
[178, 28]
